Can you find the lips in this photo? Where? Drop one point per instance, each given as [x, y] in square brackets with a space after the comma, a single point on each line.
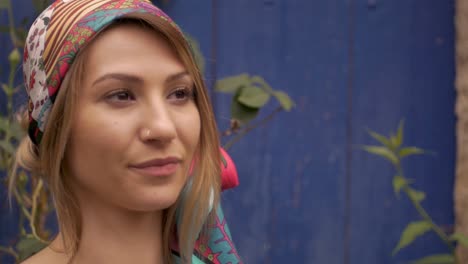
[157, 167]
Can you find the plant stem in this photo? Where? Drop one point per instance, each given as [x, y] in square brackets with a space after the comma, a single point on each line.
[11, 76]
[423, 213]
[246, 130]
[429, 220]
[32, 222]
[9, 251]
[11, 80]
[20, 201]
[11, 22]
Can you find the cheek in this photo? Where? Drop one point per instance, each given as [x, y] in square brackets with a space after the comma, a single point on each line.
[191, 129]
[95, 141]
[95, 134]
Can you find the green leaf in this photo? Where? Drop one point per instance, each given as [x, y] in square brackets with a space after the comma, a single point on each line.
[232, 84]
[4, 4]
[382, 152]
[16, 131]
[253, 97]
[223, 160]
[3, 124]
[380, 138]
[13, 129]
[28, 246]
[436, 259]
[408, 151]
[242, 113]
[399, 135]
[416, 195]
[412, 231]
[393, 145]
[284, 100]
[398, 183]
[8, 90]
[460, 238]
[262, 83]
[7, 147]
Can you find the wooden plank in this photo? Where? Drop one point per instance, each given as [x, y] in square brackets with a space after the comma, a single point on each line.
[289, 206]
[403, 68]
[194, 18]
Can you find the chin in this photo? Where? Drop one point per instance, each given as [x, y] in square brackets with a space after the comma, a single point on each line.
[154, 202]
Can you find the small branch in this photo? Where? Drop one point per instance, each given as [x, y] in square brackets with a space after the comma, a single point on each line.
[21, 225]
[35, 197]
[11, 22]
[11, 80]
[423, 213]
[441, 234]
[9, 251]
[22, 206]
[235, 126]
[246, 130]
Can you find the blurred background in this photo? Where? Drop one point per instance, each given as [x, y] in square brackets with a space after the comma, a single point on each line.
[308, 192]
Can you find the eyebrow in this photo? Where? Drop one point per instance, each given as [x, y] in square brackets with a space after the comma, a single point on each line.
[135, 79]
[176, 76]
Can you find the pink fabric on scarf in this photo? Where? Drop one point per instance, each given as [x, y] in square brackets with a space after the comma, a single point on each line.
[229, 176]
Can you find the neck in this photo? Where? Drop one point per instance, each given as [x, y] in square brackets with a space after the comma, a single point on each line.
[121, 237]
[115, 235]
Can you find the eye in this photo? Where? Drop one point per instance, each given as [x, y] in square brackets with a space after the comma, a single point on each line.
[182, 94]
[120, 96]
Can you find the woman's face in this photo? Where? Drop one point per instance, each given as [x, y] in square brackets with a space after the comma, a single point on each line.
[136, 125]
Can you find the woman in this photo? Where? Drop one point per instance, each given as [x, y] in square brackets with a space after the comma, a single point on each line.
[119, 117]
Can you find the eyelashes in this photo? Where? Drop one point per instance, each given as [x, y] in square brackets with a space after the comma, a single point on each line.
[183, 93]
[178, 95]
[121, 95]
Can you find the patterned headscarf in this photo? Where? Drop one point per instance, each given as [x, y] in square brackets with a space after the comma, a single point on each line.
[54, 40]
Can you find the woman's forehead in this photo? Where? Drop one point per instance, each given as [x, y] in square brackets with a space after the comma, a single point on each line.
[130, 48]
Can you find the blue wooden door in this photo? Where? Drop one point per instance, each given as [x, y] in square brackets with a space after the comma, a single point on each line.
[308, 194]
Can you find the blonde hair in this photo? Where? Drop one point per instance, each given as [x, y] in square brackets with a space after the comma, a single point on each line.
[47, 159]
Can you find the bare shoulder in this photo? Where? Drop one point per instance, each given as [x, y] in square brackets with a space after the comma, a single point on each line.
[46, 256]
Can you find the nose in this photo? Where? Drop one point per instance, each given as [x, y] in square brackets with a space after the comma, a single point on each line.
[157, 124]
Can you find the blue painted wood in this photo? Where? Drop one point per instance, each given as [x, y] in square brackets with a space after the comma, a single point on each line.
[289, 206]
[403, 65]
[194, 18]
